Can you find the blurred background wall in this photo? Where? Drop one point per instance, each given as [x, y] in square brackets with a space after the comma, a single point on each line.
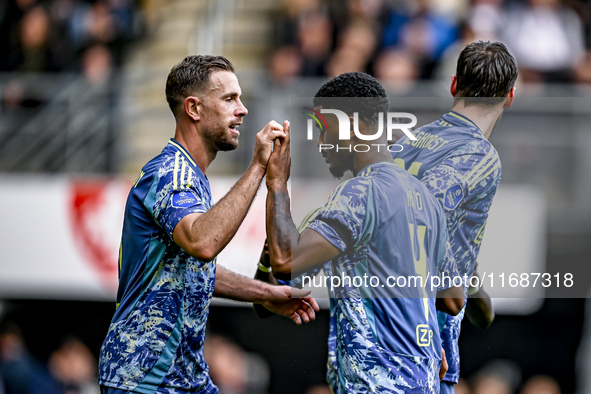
[82, 108]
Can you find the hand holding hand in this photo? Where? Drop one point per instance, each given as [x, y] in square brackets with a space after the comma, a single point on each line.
[264, 143]
[279, 167]
[283, 300]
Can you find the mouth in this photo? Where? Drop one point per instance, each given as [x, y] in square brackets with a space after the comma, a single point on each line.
[234, 128]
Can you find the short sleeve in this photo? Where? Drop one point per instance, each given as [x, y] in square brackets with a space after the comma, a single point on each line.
[181, 204]
[174, 201]
[340, 221]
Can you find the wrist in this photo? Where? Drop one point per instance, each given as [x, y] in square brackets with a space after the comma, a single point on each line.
[258, 168]
[277, 186]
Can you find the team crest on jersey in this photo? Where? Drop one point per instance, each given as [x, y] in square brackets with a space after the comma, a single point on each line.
[184, 199]
[453, 196]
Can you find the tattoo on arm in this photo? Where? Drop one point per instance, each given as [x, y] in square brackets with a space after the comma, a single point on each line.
[281, 230]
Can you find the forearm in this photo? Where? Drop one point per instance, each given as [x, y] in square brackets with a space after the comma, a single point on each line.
[281, 231]
[215, 228]
[479, 309]
[236, 287]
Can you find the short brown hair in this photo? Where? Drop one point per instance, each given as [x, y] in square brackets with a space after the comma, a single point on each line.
[191, 76]
[486, 72]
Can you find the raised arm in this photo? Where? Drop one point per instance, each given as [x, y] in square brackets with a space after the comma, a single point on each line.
[204, 235]
[290, 252]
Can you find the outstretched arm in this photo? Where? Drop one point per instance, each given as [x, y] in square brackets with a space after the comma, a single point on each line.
[479, 308]
[264, 274]
[277, 299]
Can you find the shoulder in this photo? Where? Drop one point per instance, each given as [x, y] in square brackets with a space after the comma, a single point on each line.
[351, 190]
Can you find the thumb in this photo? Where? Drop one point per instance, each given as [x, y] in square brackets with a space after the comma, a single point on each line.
[299, 293]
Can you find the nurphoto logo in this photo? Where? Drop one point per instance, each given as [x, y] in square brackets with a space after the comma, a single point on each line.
[391, 119]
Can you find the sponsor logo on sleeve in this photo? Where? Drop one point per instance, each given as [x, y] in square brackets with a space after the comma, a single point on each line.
[185, 199]
[453, 197]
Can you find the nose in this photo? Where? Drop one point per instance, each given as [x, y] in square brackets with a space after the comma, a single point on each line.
[320, 140]
[241, 110]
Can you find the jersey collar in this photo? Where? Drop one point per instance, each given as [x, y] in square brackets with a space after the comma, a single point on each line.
[462, 118]
[183, 151]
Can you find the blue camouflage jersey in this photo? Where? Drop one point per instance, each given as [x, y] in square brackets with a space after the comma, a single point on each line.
[384, 334]
[462, 169]
[155, 340]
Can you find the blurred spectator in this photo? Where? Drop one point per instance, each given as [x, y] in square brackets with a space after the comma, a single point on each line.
[449, 60]
[19, 371]
[421, 31]
[314, 34]
[97, 64]
[546, 38]
[74, 367]
[540, 384]
[306, 26]
[319, 389]
[356, 47]
[232, 369]
[397, 70]
[462, 387]
[284, 65]
[50, 35]
[485, 19]
[498, 377]
[34, 50]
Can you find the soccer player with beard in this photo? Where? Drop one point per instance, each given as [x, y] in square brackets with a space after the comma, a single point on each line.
[382, 224]
[172, 234]
[454, 159]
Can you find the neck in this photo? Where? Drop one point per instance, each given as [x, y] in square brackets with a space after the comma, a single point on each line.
[363, 159]
[194, 144]
[483, 116]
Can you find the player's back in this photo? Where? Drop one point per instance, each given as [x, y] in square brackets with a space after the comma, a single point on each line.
[462, 170]
[394, 238]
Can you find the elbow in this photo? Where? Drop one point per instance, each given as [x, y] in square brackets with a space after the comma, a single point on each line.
[281, 268]
[450, 305]
[453, 305]
[204, 253]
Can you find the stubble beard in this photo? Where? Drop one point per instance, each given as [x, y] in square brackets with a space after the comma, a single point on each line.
[222, 140]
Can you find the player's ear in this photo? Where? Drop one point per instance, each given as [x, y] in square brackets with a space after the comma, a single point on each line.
[510, 98]
[192, 107]
[454, 85]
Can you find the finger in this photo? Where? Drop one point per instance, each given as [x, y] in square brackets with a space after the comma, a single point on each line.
[309, 311]
[272, 125]
[303, 315]
[287, 129]
[276, 143]
[274, 134]
[312, 302]
[296, 318]
[299, 293]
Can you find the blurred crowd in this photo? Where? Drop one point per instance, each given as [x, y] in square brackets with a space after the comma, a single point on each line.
[402, 41]
[70, 369]
[67, 35]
